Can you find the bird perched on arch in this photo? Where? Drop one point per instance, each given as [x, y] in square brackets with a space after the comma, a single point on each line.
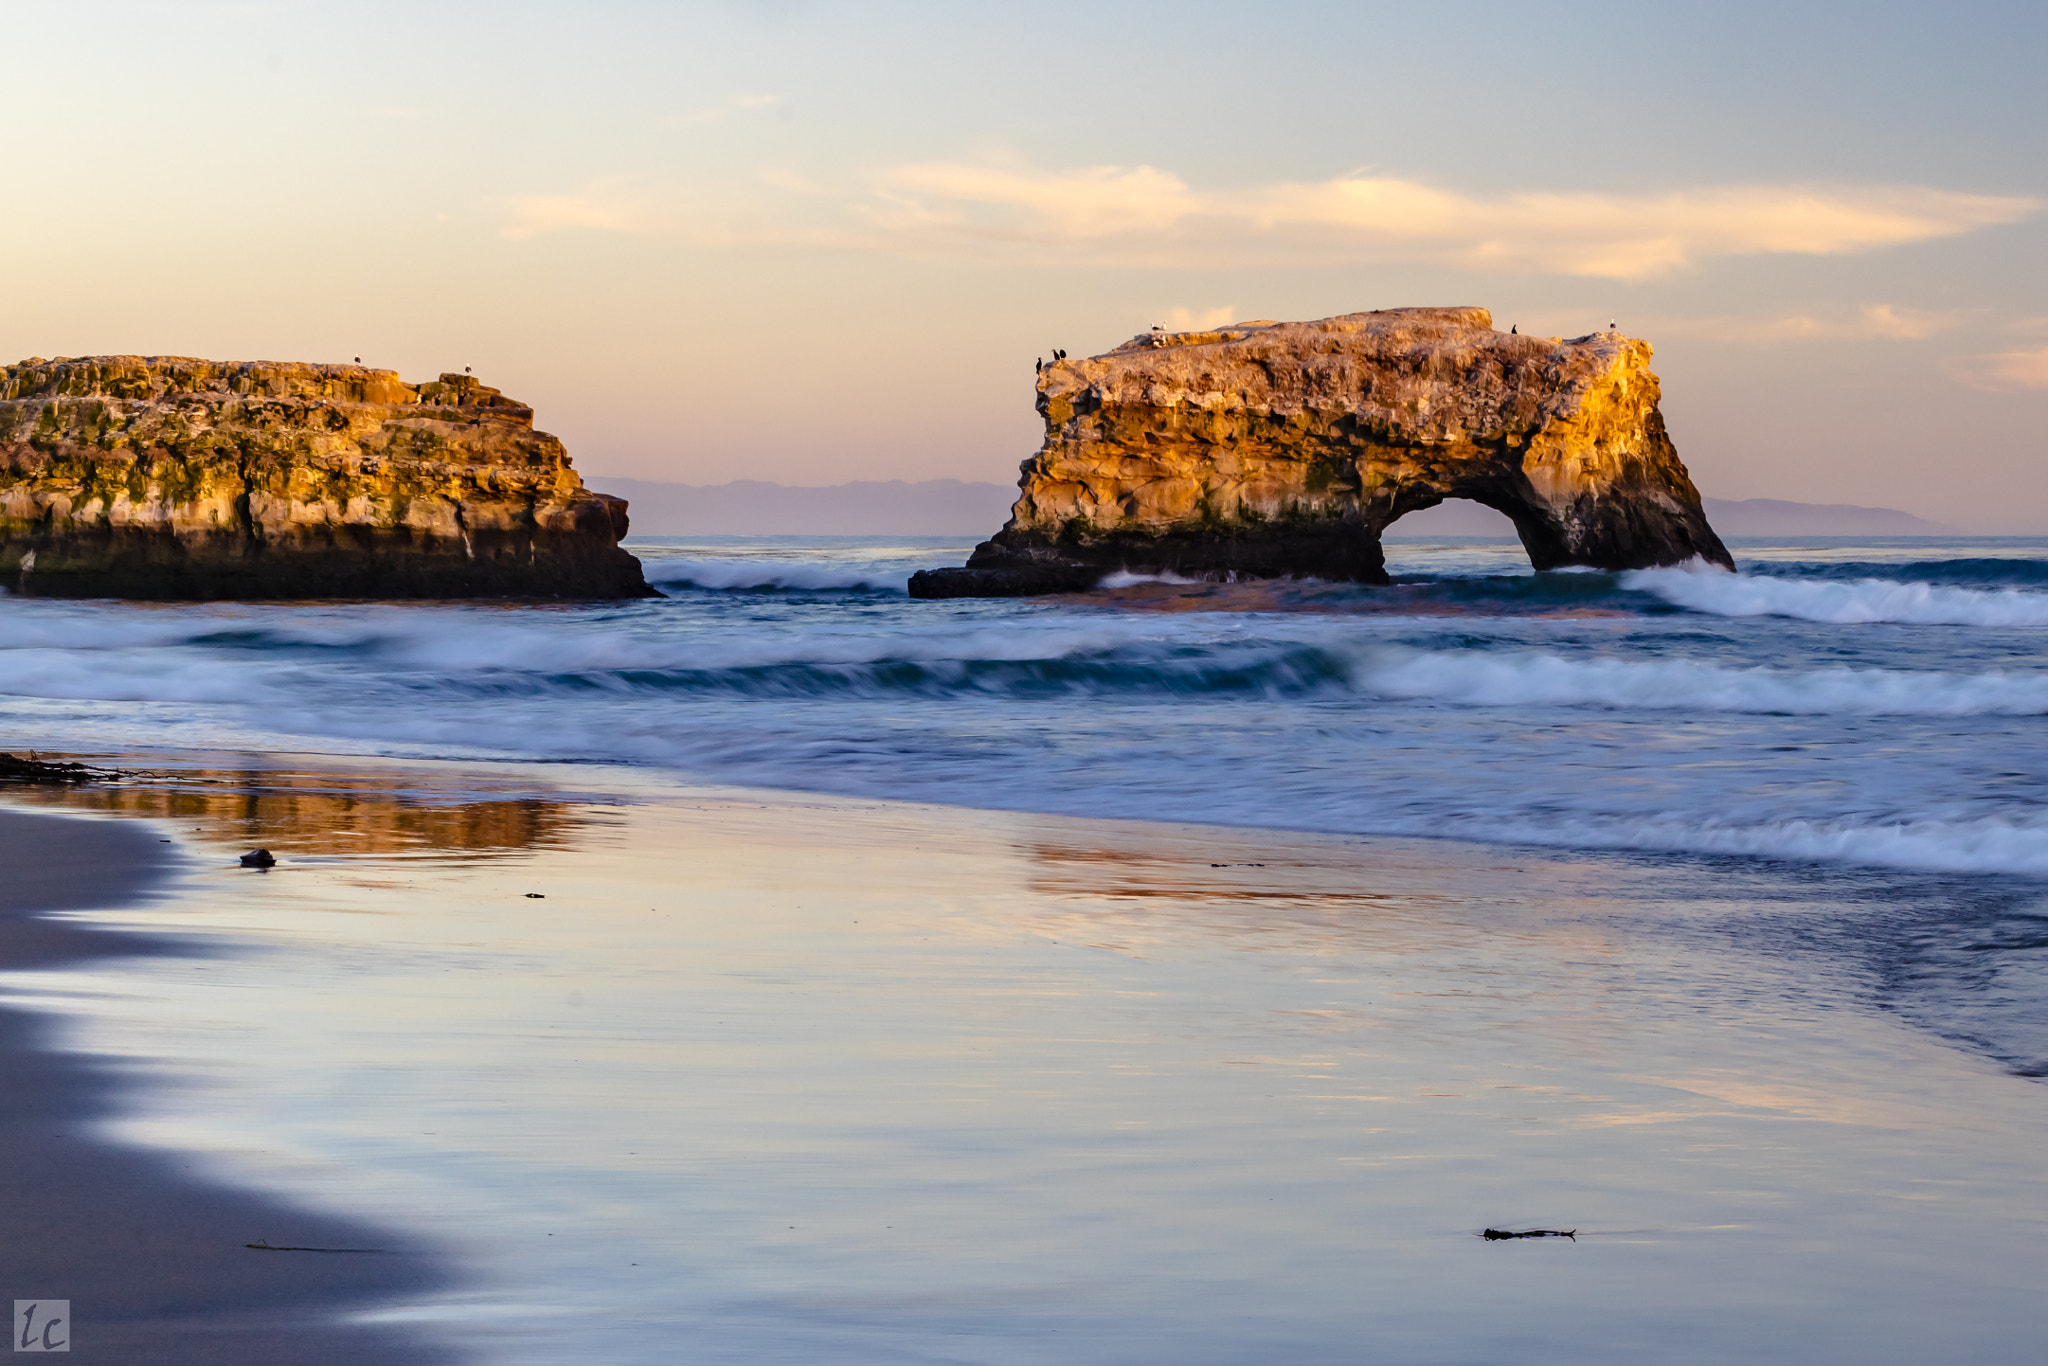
[1514, 329]
[1038, 366]
[359, 360]
[465, 369]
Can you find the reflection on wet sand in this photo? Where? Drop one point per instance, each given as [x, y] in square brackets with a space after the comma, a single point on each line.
[735, 1076]
[1305, 893]
[1391, 933]
[324, 811]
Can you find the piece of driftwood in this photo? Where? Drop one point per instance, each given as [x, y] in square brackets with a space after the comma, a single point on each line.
[263, 1245]
[1494, 1235]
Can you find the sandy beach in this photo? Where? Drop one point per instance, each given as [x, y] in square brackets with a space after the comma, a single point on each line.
[151, 1255]
[1057, 685]
[745, 1076]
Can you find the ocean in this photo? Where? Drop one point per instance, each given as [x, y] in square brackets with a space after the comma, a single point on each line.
[1176, 972]
[1867, 704]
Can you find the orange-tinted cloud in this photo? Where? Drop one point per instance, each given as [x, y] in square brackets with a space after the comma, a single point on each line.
[1142, 214]
[1871, 322]
[2005, 371]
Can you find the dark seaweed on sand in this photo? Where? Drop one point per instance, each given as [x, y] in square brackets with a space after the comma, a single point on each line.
[34, 770]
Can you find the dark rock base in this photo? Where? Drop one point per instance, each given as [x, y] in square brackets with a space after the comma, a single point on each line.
[328, 563]
[1613, 534]
[1013, 566]
[1021, 581]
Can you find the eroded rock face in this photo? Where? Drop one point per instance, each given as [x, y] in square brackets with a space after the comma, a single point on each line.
[1266, 449]
[167, 477]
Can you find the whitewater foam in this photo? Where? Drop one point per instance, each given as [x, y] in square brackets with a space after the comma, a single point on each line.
[1852, 602]
[1753, 724]
[1125, 578]
[1526, 679]
[275, 655]
[754, 576]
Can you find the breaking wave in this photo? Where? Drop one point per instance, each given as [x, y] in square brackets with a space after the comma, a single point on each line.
[243, 655]
[733, 576]
[1125, 578]
[1702, 713]
[1979, 571]
[1475, 678]
[1984, 845]
[1851, 602]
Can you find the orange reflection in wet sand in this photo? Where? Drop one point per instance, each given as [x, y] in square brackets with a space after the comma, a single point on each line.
[321, 812]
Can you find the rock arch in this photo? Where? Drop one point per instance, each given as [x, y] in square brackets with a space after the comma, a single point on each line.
[1267, 449]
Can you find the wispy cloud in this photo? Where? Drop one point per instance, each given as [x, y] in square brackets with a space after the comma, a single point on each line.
[1187, 320]
[2004, 371]
[1145, 216]
[1882, 320]
[1001, 204]
[1146, 213]
[622, 205]
[719, 113]
[1872, 322]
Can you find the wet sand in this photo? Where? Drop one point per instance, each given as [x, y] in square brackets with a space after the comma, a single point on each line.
[152, 1259]
[693, 1074]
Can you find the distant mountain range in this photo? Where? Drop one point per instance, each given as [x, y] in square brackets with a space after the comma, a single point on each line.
[1771, 517]
[751, 507]
[952, 507]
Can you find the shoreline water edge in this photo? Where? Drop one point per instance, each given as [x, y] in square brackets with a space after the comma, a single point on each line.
[153, 1256]
[1738, 922]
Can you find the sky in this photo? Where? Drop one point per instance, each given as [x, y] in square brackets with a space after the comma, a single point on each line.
[810, 242]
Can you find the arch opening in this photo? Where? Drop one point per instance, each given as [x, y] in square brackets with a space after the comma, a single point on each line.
[1453, 517]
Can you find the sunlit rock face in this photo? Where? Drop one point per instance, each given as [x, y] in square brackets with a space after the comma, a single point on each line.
[167, 477]
[1265, 449]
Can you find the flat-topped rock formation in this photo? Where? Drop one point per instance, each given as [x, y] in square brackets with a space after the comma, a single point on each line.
[1266, 449]
[167, 477]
